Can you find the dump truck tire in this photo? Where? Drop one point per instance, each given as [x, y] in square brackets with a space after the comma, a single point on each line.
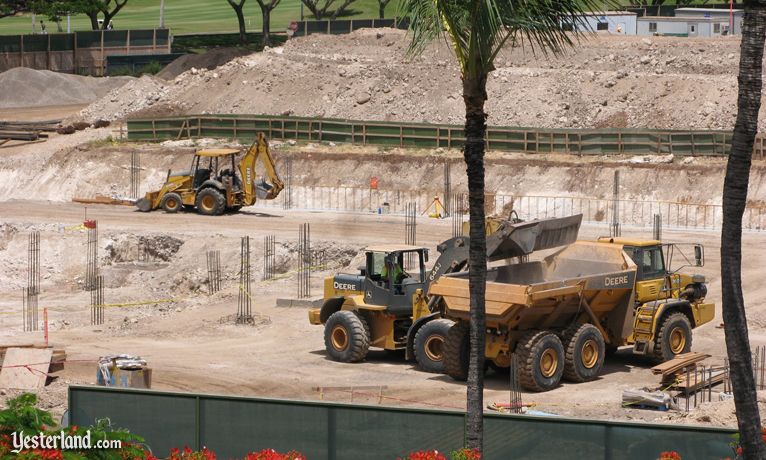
[456, 351]
[585, 351]
[347, 337]
[210, 202]
[429, 345]
[171, 203]
[541, 357]
[674, 337]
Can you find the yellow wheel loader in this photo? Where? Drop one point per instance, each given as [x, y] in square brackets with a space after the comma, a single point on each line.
[388, 304]
[561, 315]
[215, 183]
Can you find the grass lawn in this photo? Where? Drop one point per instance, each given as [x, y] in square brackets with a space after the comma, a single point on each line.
[195, 16]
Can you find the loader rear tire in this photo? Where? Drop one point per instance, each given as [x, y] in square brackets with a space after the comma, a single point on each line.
[347, 336]
[541, 359]
[171, 203]
[674, 337]
[429, 345]
[210, 202]
[457, 350]
[585, 351]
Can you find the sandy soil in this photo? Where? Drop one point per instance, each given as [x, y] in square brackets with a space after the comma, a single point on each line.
[283, 355]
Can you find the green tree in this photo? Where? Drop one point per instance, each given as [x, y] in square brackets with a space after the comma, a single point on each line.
[477, 31]
[735, 188]
[12, 7]
[93, 8]
[321, 8]
[239, 6]
[55, 10]
[267, 6]
[382, 4]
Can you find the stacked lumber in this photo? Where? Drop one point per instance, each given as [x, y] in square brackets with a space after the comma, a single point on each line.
[668, 369]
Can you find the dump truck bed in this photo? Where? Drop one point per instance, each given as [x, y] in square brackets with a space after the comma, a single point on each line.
[548, 292]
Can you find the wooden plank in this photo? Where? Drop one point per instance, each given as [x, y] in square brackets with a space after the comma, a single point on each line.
[25, 368]
[678, 363]
[710, 379]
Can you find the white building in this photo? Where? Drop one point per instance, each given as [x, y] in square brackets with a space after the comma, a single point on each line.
[692, 22]
[614, 22]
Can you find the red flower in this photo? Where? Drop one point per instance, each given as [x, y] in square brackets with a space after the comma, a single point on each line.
[670, 455]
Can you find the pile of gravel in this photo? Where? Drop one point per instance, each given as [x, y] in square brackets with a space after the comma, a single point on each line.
[23, 87]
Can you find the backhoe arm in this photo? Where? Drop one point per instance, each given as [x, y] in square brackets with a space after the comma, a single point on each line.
[259, 149]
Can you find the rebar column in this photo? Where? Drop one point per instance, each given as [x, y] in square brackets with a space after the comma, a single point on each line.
[214, 271]
[92, 255]
[97, 301]
[657, 231]
[135, 175]
[269, 255]
[304, 261]
[615, 227]
[287, 192]
[410, 232]
[244, 306]
[447, 189]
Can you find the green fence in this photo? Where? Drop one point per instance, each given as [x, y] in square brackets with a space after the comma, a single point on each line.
[529, 140]
[232, 426]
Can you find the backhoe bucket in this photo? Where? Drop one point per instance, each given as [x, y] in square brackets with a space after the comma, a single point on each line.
[263, 190]
[516, 240]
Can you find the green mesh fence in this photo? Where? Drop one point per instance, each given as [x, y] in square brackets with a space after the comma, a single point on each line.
[233, 426]
[422, 135]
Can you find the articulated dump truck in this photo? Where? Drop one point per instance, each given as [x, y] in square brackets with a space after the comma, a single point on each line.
[388, 304]
[560, 316]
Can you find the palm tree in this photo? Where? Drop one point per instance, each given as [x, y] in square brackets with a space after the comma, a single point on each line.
[734, 200]
[477, 31]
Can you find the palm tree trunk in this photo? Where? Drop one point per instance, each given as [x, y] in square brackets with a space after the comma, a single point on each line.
[734, 201]
[474, 96]
[241, 21]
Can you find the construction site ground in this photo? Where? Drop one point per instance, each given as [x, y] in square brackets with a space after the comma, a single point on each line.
[158, 259]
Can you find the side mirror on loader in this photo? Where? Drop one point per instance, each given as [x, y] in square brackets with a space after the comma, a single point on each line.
[699, 256]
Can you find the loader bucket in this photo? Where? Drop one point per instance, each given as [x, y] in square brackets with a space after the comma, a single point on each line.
[145, 204]
[519, 239]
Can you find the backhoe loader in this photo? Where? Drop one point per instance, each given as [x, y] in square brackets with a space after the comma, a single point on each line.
[215, 184]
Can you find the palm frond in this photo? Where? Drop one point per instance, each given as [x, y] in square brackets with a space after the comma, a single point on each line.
[478, 29]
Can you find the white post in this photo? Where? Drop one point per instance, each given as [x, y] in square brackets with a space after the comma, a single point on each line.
[33, 22]
[162, 14]
[68, 23]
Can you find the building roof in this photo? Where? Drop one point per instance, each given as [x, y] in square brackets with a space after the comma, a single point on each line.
[610, 13]
[392, 248]
[677, 19]
[706, 10]
[217, 152]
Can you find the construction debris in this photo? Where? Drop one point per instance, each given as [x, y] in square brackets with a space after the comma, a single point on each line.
[101, 199]
[124, 371]
[643, 399]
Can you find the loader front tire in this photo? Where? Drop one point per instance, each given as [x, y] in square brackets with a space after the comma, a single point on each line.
[585, 351]
[541, 360]
[674, 337]
[457, 351]
[429, 345]
[171, 203]
[346, 336]
[210, 202]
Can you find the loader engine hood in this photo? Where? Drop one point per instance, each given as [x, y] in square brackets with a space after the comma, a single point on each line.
[346, 282]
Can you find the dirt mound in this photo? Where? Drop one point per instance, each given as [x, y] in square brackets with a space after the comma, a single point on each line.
[605, 82]
[209, 60]
[24, 87]
[129, 248]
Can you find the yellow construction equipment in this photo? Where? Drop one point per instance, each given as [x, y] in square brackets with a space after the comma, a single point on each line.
[561, 315]
[389, 306]
[215, 184]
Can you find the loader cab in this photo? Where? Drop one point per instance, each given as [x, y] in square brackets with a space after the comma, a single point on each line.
[393, 274]
[216, 164]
